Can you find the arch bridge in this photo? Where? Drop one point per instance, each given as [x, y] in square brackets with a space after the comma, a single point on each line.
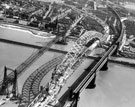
[88, 41]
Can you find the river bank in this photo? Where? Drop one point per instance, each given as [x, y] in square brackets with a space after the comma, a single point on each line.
[36, 42]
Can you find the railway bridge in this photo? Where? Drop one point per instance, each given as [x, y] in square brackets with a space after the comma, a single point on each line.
[63, 71]
[88, 41]
[87, 79]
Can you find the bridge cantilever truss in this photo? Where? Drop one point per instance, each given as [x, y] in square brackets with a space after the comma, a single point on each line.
[65, 69]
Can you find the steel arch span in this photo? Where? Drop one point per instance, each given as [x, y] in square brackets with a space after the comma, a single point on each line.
[88, 41]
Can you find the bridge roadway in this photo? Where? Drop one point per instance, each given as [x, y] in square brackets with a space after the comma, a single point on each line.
[83, 81]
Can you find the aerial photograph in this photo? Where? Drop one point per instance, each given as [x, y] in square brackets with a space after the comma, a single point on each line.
[67, 53]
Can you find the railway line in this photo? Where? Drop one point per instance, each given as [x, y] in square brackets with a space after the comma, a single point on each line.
[83, 81]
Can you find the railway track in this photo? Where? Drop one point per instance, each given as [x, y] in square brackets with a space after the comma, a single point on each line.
[31, 86]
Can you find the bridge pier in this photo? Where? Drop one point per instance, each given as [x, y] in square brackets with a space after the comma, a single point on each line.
[92, 84]
[41, 88]
[105, 66]
[74, 98]
[4, 89]
[115, 53]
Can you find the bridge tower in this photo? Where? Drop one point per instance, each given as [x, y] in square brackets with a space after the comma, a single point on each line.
[3, 90]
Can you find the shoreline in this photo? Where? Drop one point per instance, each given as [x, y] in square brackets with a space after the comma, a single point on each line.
[30, 30]
[34, 32]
